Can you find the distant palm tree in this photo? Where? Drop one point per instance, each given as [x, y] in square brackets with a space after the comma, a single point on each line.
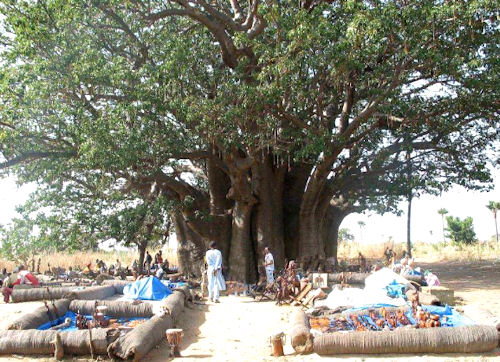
[442, 212]
[494, 207]
[361, 224]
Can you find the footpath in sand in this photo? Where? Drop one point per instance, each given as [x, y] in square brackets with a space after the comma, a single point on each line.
[238, 329]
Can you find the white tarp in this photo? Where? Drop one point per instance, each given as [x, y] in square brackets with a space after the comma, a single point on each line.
[373, 293]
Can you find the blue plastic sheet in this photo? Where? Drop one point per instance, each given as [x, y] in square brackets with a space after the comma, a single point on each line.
[453, 318]
[150, 288]
[172, 285]
[396, 290]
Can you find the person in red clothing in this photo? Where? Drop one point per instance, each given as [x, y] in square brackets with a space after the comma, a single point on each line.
[25, 277]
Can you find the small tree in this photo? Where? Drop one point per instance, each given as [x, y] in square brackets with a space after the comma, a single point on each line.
[461, 231]
[494, 207]
[345, 235]
[443, 212]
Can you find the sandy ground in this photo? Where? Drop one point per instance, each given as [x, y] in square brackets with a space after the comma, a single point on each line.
[238, 328]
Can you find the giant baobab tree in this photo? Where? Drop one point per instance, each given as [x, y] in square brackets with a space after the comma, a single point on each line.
[255, 123]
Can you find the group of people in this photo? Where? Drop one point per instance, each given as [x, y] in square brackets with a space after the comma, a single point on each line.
[158, 267]
[19, 276]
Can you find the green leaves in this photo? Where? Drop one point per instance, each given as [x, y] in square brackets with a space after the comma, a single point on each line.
[461, 231]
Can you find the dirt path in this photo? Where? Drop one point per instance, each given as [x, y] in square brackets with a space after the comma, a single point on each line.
[238, 329]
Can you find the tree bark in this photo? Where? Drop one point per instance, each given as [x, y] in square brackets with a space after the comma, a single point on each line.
[295, 183]
[242, 266]
[312, 211]
[141, 248]
[334, 218]
[268, 220]
[409, 172]
[190, 248]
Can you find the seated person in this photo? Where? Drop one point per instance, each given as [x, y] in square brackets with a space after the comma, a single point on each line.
[25, 277]
[159, 273]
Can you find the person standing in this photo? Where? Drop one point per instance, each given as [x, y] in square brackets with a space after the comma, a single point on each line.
[269, 265]
[216, 281]
[147, 262]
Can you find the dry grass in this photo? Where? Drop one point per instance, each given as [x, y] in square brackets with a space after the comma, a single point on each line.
[65, 260]
[422, 251]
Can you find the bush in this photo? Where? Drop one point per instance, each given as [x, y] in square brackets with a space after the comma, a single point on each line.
[461, 231]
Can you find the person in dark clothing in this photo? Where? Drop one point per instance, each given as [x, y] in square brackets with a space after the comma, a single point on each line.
[147, 262]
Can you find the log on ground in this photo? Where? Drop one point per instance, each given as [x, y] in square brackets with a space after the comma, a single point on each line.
[118, 284]
[138, 342]
[35, 342]
[115, 308]
[300, 334]
[93, 293]
[41, 315]
[42, 293]
[466, 339]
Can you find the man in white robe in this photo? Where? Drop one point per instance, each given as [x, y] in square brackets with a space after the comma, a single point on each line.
[216, 281]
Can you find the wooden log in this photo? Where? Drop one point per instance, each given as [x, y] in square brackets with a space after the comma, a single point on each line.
[138, 342]
[117, 284]
[42, 293]
[300, 334]
[359, 278]
[93, 293]
[115, 308]
[466, 339]
[41, 315]
[33, 342]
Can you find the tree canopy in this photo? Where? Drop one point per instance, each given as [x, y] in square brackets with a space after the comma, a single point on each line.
[252, 123]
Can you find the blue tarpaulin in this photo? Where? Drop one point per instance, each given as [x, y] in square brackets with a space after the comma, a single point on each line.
[150, 288]
[72, 316]
[396, 290]
[172, 285]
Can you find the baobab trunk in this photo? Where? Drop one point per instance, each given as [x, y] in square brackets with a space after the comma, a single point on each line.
[268, 228]
[242, 266]
[335, 216]
[190, 248]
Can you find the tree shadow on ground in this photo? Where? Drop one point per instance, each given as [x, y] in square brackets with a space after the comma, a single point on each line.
[466, 276]
[190, 320]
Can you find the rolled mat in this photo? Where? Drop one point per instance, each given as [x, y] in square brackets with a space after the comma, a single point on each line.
[33, 342]
[359, 278]
[174, 303]
[118, 284]
[93, 293]
[115, 308]
[300, 335]
[138, 342]
[347, 277]
[41, 315]
[465, 339]
[42, 293]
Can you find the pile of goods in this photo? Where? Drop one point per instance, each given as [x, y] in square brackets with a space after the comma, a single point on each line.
[99, 319]
[380, 319]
